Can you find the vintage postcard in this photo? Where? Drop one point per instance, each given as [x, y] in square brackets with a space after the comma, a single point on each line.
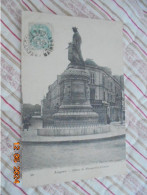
[73, 99]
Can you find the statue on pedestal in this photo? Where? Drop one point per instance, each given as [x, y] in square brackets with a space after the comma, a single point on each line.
[74, 49]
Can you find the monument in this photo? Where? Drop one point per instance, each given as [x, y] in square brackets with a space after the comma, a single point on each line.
[75, 108]
[75, 115]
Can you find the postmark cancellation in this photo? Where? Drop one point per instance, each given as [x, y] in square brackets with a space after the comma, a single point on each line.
[39, 40]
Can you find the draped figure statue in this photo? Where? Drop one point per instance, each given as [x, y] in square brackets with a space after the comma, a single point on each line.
[74, 49]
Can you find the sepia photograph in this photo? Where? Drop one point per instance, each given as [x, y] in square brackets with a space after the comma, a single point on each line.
[73, 110]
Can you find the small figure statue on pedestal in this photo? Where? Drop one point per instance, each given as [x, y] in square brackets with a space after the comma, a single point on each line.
[74, 49]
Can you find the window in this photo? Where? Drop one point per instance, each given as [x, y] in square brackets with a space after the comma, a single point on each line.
[92, 94]
[104, 96]
[92, 78]
[111, 87]
[108, 99]
[103, 80]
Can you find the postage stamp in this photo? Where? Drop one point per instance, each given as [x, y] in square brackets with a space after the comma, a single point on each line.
[39, 40]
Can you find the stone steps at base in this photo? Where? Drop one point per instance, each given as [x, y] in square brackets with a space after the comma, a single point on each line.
[52, 139]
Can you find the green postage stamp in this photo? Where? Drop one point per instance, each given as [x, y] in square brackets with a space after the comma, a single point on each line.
[39, 41]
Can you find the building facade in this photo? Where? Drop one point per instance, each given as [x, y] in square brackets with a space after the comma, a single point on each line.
[106, 95]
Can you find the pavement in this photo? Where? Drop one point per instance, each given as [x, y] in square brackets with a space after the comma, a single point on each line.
[40, 155]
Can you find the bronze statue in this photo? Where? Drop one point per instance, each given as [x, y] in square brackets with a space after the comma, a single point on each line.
[74, 49]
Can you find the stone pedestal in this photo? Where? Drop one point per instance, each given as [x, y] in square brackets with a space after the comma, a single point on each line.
[75, 108]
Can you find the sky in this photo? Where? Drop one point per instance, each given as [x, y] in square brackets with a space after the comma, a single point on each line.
[101, 42]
